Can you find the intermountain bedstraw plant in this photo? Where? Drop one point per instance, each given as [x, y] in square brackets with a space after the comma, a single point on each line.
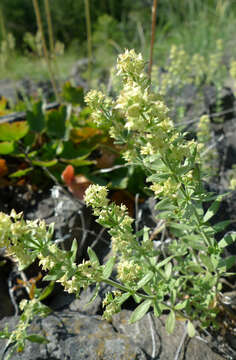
[185, 280]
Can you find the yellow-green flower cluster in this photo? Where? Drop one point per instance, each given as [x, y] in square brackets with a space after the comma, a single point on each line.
[130, 65]
[129, 271]
[101, 105]
[96, 196]
[85, 275]
[215, 65]
[17, 235]
[203, 130]
[151, 133]
[112, 304]
[111, 216]
[30, 309]
[168, 189]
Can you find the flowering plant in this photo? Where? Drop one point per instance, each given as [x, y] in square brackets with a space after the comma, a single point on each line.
[183, 280]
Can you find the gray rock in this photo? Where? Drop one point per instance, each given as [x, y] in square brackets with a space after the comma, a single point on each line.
[74, 336]
[150, 335]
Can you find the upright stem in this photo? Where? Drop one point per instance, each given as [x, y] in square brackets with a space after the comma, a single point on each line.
[49, 22]
[2, 25]
[154, 12]
[89, 37]
[198, 219]
[45, 51]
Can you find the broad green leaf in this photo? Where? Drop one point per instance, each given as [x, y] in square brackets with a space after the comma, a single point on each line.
[36, 118]
[170, 322]
[107, 270]
[191, 329]
[145, 280]
[92, 256]
[37, 339]
[20, 173]
[7, 147]
[45, 163]
[140, 311]
[73, 95]
[56, 123]
[213, 209]
[228, 239]
[13, 131]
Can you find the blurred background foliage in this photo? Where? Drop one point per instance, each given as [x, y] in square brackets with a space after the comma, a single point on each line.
[194, 24]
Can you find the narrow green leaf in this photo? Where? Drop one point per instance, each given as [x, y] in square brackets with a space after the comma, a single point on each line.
[163, 262]
[45, 163]
[145, 280]
[47, 291]
[168, 270]
[170, 322]
[178, 226]
[4, 335]
[73, 249]
[194, 267]
[227, 262]
[140, 311]
[191, 329]
[145, 233]
[94, 295]
[20, 173]
[181, 305]
[108, 267]
[164, 204]
[37, 339]
[220, 226]
[213, 209]
[228, 239]
[123, 298]
[207, 262]
[92, 256]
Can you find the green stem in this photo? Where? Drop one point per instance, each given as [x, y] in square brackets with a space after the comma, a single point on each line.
[182, 189]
